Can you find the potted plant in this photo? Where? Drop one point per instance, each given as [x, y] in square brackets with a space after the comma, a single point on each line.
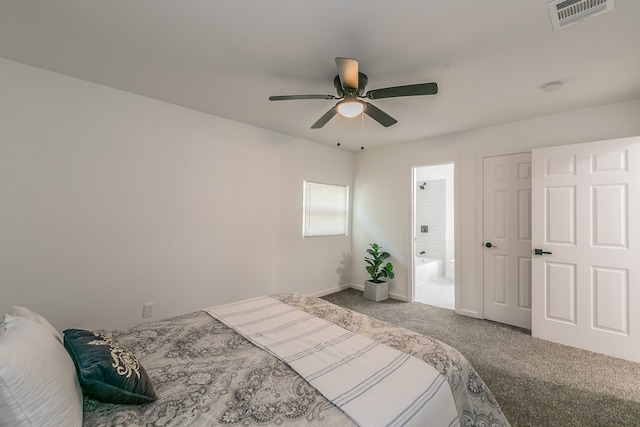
[376, 289]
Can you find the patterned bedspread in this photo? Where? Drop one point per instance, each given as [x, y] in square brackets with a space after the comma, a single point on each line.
[205, 374]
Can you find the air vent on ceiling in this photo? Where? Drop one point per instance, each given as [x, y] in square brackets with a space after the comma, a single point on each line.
[569, 12]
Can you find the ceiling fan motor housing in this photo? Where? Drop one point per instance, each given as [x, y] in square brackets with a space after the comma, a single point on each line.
[359, 91]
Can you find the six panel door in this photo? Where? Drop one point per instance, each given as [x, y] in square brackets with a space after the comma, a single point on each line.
[507, 239]
[586, 229]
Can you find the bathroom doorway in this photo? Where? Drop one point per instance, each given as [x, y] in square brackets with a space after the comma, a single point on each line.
[433, 235]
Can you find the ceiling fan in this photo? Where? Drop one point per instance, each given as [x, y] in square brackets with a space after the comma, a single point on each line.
[350, 84]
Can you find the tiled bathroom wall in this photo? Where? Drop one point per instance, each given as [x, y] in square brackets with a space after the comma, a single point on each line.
[431, 212]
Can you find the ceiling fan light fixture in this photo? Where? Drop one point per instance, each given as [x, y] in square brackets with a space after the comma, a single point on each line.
[350, 108]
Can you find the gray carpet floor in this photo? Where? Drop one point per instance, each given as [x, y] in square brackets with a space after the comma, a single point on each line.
[536, 382]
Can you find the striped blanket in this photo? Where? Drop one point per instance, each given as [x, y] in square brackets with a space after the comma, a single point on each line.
[373, 384]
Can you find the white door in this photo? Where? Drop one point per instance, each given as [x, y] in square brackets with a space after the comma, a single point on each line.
[586, 224]
[507, 239]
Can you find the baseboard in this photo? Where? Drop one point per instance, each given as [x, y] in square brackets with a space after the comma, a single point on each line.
[356, 286]
[361, 288]
[330, 290]
[468, 313]
[398, 297]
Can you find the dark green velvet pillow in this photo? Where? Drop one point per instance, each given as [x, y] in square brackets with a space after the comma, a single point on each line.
[106, 370]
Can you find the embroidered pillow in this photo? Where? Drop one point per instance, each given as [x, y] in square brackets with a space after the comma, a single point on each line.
[106, 369]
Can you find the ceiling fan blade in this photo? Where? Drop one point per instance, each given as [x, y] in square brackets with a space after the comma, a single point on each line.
[408, 90]
[324, 119]
[348, 72]
[289, 97]
[379, 116]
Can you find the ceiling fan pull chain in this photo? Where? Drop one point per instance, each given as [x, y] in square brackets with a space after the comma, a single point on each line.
[362, 132]
[338, 130]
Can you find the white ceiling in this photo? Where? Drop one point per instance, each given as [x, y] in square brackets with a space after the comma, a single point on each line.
[226, 57]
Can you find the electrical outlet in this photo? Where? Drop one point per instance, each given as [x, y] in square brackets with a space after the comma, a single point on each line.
[147, 310]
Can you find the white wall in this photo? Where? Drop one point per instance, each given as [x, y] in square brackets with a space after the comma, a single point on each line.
[111, 200]
[382, 181]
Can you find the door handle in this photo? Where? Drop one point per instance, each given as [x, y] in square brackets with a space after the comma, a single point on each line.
[490, 245]
[541, 252]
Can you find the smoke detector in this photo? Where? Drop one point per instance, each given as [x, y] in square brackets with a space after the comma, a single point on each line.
[568, 12]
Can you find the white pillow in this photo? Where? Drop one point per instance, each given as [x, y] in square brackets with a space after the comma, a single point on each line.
[38, 381]
[25, 312]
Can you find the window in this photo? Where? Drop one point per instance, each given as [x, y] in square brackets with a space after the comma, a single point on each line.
[325, 210]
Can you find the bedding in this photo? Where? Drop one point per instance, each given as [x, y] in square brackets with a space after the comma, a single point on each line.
[360, 376]
[204, 373]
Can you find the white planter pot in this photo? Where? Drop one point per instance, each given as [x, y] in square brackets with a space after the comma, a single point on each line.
[376, 291]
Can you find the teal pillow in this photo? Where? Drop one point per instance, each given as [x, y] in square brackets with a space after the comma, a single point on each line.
[107, 371]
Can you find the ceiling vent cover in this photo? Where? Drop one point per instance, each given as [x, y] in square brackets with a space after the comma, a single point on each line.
[568, 12]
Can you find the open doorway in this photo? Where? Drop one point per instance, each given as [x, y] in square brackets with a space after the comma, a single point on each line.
[433, 235]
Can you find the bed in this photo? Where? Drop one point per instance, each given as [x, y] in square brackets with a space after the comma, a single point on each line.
[203, 373]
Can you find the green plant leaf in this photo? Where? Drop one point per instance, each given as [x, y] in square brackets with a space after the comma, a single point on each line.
[375, 266]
